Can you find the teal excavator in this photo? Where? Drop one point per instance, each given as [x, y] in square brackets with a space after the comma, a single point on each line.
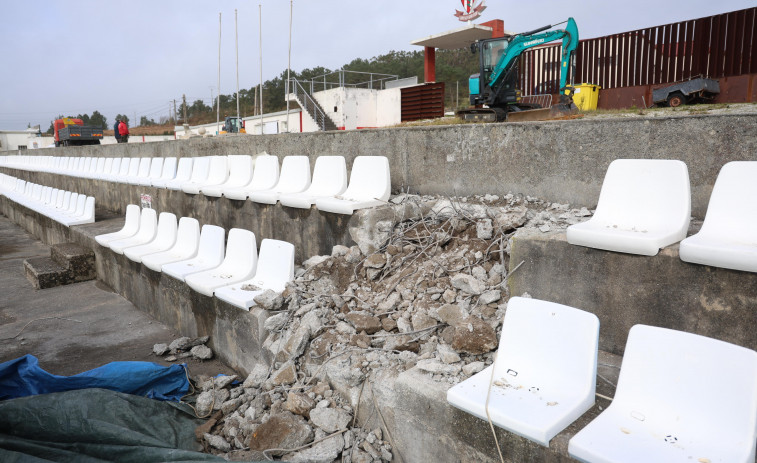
[493, 91]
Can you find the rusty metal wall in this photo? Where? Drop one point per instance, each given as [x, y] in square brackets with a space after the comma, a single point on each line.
[422, 102]
[717, 46]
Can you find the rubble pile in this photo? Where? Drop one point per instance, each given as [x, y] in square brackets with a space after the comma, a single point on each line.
[184, 348]
[432, 296]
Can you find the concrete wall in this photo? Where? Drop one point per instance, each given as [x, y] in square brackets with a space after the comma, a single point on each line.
[560, 161]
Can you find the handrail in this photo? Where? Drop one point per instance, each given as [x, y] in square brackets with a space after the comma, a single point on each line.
[341, 80]
[309, 103]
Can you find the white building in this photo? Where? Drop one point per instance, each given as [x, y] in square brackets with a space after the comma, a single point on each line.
[12, 140]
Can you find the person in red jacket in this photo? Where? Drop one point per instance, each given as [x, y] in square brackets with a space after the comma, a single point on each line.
[123, 130]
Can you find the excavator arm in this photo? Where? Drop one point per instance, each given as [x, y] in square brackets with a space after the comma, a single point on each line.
[523, 42]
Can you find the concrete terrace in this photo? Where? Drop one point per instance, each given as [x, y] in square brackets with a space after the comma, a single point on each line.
[386, 281]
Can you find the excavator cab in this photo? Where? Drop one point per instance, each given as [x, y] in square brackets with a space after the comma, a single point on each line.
[233, 125]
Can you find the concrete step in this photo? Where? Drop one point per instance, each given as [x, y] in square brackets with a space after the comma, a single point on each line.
[79, 260]
[68, 263]
[43, 272]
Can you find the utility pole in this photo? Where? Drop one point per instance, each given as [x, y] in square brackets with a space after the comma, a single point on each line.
[184, 100]
[260, 28]
[289, 62]
[175, 114]
[236, 46]
[218, 104]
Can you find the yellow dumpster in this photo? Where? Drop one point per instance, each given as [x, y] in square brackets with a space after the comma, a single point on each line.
[586, 96]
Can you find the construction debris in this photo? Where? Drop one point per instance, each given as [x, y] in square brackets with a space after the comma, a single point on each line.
[432, 296]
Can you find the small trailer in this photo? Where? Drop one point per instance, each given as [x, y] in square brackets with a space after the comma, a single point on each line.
[680, 93]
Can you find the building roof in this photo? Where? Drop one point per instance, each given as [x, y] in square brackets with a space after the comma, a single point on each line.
[456, 38]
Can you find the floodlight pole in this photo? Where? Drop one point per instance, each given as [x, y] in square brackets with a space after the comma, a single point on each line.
[289, 63]
[218, 97]
[260, 28]
[236, 45]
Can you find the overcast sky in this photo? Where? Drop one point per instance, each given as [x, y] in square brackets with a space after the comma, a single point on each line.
[134, 56]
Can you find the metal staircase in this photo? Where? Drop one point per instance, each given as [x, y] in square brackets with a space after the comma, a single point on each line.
[308, 103]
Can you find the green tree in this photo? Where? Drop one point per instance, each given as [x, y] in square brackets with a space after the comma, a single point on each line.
[122, 117]
[144, 121]
[98, 120]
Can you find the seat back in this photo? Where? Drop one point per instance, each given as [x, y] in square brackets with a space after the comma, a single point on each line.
[200, 169]
[131, 221]
[184, 170]
[88, 213]
[645, 194]
[156, 168]
[59, 199]
[166, 233]
[125, 165]
[148, 222]
[275, 264]
[108, 166]
[732, 210]
[81, 202]
[698, 385]
[135, 166]
[240, 169]
[266, 173]
[100, 167]
[85, 166]
[218, 170]
[549, 346]
[369, 179]
[187, 235]
[65, 202]
[72, 203]
[169, 169]
[329, 176]
[212, 245]
[295, 174]
[144, 167]
[241, 253]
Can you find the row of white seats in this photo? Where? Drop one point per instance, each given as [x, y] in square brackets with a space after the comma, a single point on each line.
[680, 397]
[65, 207]
[187, 253]
[239, 177]
[645, 205]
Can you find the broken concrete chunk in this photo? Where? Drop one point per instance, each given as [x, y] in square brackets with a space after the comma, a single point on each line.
[159, 349]
[363, 321]
[217, 442]
[257, 376]
[490, 296]
[375, 261]
[276, 322]
[339, 250]
[475, 337]
[299, 404]
[315, 260]
[201, 352]
[287, 374]
[468, 284]
[330, 419]
[269, 300]
[282, 431]
[452, 314]
[447, 354]
[434, 366]
[484, 229]
[473, 368]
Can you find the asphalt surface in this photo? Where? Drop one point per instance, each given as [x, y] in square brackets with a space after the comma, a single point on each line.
[77, 327]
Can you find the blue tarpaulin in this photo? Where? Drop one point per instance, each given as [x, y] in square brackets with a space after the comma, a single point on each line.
[24, 377]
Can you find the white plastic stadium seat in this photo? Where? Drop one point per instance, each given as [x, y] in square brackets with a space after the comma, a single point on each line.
[329, 180]
[240, 174]
[209, 254]
[148, 222]
[370, 186]
[156, 168]
[199, 173]
[275, 269]
[265, 175]
[294, 178]
[544, 373]
[187, 242]
[644, 205]
[682, 398]
[218, 172]
[84, 213]
[143, 173]
[183, 174]
[728, 237]
[123, 170]
[131, 225]
[240, 264]
[168, 173]
[165, 237]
